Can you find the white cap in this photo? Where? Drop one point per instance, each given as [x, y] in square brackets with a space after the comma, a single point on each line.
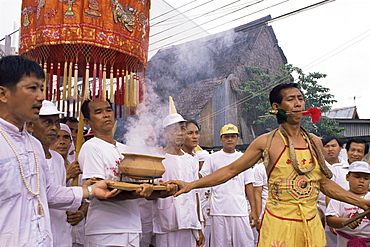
[172, 118]
[66, 128]
[48, 108]
[359, 166]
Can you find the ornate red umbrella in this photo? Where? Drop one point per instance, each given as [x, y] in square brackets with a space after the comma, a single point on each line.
[88, 48]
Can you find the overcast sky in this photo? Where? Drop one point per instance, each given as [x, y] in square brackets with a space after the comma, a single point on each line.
[331, 39]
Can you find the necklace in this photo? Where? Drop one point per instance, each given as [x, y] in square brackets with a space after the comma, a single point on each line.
[37, 193]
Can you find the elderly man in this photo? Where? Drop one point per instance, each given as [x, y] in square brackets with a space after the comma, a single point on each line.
[46, 129]
[295, 175]
[25, 180]
[175, 221]
[75, 219]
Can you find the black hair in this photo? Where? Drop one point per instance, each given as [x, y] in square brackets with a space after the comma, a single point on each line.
[68, 119]
[275, 94]
[330, 138]
[85, 108]
[357, 140]
[13, 68]
[193, 122]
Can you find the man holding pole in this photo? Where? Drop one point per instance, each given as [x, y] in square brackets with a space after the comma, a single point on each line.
[296, 172]
[27, 191]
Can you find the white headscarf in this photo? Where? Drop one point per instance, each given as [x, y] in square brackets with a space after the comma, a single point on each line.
[70, 157]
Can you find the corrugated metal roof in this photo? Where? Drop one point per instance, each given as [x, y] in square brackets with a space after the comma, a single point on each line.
[355, 129]
[342, 113]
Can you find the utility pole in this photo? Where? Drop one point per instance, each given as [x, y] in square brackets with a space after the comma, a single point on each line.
[8, 42]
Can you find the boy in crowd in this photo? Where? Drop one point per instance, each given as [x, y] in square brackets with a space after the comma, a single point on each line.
[338, 212]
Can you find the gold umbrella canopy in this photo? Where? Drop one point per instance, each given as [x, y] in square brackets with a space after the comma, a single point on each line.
[88, 48]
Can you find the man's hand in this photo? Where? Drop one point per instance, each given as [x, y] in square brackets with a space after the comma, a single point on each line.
[100, 189]
[171, 189]
[253, 219]
[145, 191]
[74, 218]
[73, 170]
[184, 186]
[201, 240]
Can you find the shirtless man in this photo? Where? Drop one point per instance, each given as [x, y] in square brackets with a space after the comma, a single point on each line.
[294, 177]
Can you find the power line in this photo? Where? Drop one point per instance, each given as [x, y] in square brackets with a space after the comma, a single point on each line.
[9, 34]
[322, 57]
[197, 17]
[265, 89]
[217, 18]
[252, 26]
[182, 13]
[171, 9]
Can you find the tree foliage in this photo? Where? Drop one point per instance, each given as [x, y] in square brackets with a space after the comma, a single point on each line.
[315, 95]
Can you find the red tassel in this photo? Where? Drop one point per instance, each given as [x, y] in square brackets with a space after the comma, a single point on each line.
[314, 113]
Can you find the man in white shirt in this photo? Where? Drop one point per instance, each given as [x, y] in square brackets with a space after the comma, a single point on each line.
[331, 151]
[175, 220]
[357, 149]
[230, 221]
[46, 129]
[116, 221]
[332, 147]
[27, 191]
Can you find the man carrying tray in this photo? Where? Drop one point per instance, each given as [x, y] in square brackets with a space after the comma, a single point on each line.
[113, 222]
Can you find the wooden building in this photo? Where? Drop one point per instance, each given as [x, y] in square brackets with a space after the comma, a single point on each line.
[354, 127]
[203, 76]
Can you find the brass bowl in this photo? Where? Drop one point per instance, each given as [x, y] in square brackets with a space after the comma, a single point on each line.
[140, 166]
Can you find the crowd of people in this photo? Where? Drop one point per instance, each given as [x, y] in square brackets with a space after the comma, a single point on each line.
[289, 188]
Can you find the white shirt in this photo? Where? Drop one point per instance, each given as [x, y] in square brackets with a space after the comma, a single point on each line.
[322, 198]
[260, 177]
[176, 213]
[21, 225]
[339, 175]
[345, 210]
[59, 226]
[228, 199]
[101, 159]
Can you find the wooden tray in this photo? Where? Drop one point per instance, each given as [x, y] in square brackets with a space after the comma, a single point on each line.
[131, 186]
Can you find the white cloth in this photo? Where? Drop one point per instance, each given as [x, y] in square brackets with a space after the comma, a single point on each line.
[331, 238]
[260, 178]
[20, 223]
[179, 238]
[234, 231]
[345, 210]
[339, 174]
[228, 204]
[175, 213]
[146, 208]
[59, 226]
[228, 199]
[101, 159]
[77, 231]
[204, 196]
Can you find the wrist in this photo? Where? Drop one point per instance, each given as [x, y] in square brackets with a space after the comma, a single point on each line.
[90, 194]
